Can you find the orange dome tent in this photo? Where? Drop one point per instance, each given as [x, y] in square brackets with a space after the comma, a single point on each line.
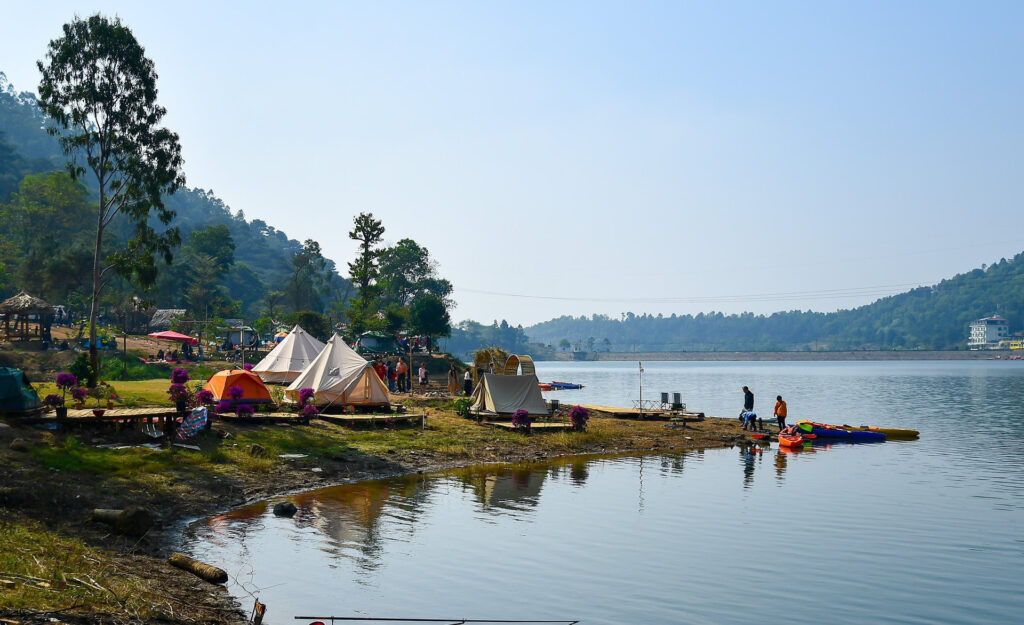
[253, 389]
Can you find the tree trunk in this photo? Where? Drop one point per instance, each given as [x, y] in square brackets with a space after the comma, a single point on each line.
[94, 303]
[202, 570]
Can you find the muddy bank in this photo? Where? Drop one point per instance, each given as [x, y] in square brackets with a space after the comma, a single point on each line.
[56, 478]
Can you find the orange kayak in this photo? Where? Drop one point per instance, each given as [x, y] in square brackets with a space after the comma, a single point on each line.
[794, 440]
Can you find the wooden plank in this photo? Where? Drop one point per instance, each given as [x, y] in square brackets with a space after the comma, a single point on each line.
[536, 427]
[354, 419]
[634, 413]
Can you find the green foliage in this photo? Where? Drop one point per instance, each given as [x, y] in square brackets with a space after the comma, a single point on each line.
[369, 233]
[99, 89]
[428, 316]
[407, 272]
[461, 406]
[312, 322]
[81, 368]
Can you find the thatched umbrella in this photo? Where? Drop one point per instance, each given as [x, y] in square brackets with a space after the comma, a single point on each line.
[21, 307]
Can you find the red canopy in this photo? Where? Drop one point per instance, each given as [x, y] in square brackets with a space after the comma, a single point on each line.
[170, 335]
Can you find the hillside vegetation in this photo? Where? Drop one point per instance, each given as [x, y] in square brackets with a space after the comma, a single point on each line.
[926, 318]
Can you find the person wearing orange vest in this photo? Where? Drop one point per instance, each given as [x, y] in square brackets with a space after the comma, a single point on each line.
[780, 412]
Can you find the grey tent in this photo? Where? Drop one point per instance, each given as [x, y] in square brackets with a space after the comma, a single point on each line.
[505, 394]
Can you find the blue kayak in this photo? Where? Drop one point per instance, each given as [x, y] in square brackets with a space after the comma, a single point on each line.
[565, 386]
[838, 434]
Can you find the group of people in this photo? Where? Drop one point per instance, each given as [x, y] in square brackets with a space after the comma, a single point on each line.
[396, 375]
[749, 417]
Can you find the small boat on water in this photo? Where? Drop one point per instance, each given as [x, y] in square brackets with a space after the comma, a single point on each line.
[839, 433]
[895, 434]
[791, 440]
[565, 385]
[559, 386]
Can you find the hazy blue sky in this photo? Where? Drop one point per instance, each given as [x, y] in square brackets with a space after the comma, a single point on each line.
[603, 157]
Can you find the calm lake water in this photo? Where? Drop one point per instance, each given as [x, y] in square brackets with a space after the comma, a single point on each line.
[927, 531]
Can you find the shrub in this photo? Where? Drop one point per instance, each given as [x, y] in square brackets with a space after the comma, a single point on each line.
[236, 392]
[205, 397]
[223, 406]
[579, 416]
[305, 395]
[179, 376]
[522, 419]
[53, 401]
[179, 392]
[81, 368]
[244, 410]
[79, 394]
[461, 406]
[309, 411]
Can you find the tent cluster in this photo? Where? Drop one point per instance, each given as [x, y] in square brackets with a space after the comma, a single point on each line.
[337, 375]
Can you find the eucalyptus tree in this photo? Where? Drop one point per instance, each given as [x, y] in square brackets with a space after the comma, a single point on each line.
[99, 88]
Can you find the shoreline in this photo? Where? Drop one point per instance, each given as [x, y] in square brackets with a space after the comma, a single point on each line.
[746, 356]
[184, 487]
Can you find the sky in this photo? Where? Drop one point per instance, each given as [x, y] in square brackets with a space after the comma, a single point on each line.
[571, 158]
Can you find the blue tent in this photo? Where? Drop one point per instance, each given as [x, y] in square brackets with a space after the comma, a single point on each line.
[16, 394]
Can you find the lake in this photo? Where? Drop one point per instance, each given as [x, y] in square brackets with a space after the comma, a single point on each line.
[919, 531]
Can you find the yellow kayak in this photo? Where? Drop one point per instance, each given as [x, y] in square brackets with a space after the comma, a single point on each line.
[899, 434]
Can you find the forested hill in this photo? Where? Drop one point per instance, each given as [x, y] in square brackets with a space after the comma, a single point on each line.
[263, 267]
[935, 317]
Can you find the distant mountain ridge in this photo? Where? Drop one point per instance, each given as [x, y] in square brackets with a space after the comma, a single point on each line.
[925, 318]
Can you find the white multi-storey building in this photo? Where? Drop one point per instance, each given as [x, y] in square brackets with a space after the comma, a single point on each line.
[986, 333]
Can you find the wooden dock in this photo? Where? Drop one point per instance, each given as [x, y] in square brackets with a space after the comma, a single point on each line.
[656, 414]
[374, 420]
[535, 427]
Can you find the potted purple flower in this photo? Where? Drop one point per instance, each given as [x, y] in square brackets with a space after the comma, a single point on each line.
[205, 398]
[56, 402]
[224, 406]
[521, 420]
[179, 394]
[65, 382]
[79, 394]
[179, 376]
[235, 392]
[243, 411]
[579, 416]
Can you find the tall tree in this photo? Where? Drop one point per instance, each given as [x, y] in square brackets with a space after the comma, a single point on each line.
[364, 271]
[429, 317]
[407, 271]
[100, 90]
[308, 277]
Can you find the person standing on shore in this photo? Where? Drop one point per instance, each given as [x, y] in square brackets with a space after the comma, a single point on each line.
[453, 381]
[403, 376]
[392, 376]
[780, 412]
[748, 415]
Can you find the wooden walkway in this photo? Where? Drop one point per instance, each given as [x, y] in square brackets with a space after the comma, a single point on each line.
[536, 427]
[656, 414]
[161, 413]
[362, 419]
